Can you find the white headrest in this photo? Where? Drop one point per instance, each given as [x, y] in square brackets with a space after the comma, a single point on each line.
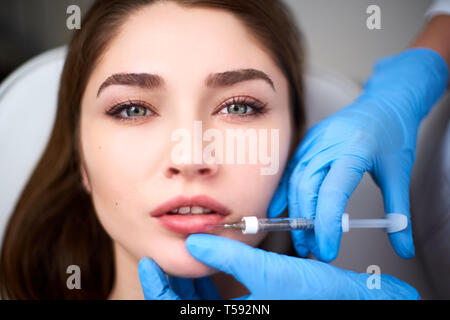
[28, 99]
[27, 111]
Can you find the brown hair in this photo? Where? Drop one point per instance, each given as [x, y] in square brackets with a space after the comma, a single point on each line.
[54, 223]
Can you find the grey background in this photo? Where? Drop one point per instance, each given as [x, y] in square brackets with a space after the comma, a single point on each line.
[337, 40]
[335, 31]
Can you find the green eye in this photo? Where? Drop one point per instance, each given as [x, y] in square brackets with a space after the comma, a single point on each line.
[237, 109]
[135, 111]
[131, 111]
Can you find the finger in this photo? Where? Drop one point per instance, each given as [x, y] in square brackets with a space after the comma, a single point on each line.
[244, 263]
[206, 289]
[395, 189]
[154, 282]
[280, 199]
[303, 193]
[343, 177]
[184, 288]
[269, 275]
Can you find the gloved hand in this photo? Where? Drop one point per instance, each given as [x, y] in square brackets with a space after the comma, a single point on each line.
[376, 133]
[156, 286]
[268, 275]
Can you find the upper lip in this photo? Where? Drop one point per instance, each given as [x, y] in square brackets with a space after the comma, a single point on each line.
[183, 201]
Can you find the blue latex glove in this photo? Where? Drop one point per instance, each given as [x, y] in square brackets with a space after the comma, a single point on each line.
[376, 133]
[156, 286]
[268, 275]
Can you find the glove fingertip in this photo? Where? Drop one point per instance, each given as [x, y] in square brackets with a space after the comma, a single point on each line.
[147, 265]
[328, 247]
[403, 244]
[277, 206]
[299, 240]
[327, 255]
[206, 248]
[302, 251]
[279, 201]
[197, 240]
[153, 281]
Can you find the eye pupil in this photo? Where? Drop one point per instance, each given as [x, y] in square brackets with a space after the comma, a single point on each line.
[237, 109]
[134, 111]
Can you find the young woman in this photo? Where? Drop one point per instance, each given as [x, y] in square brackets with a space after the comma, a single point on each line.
[101, 195]
[110, 190]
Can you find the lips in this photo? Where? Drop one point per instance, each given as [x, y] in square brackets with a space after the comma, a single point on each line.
[190, 223]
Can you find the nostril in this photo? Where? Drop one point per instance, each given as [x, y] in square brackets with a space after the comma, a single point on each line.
[174, 171]
[204, 171]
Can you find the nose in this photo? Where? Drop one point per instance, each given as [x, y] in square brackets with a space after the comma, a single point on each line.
[191, 170]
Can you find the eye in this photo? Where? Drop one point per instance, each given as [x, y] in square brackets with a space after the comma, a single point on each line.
[236, 109]
[242, 107]
[134, 111]
[131, 110]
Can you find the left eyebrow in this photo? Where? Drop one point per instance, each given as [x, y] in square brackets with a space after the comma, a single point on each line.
[229, 78]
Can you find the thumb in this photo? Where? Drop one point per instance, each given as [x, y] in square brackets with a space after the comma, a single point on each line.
[394, 184]
[245, 263]
[280, 199]
[153, 281]
[342, 179]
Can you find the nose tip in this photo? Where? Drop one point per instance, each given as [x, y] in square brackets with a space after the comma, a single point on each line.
[191, 170]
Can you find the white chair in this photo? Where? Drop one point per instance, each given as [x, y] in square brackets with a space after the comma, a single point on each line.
[28, 100]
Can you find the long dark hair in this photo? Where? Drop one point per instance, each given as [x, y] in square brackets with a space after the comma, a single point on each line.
[54, 223]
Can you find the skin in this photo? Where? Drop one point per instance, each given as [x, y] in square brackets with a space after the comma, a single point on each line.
[435, 36]
[127, 166]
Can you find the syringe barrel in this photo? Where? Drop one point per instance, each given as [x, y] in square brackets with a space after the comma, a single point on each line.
[280, 224]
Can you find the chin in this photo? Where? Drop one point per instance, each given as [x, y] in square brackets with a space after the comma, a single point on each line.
[191, 270]
[175, 260]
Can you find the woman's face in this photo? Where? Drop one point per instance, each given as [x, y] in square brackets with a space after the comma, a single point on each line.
[130, 163]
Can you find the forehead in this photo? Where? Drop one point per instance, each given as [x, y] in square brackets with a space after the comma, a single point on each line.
[180, 42]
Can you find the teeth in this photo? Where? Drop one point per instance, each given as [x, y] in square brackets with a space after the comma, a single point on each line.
[195, 210]
[191, 210]
[184, 210]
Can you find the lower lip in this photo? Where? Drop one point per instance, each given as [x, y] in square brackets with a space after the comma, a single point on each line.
[191, 223]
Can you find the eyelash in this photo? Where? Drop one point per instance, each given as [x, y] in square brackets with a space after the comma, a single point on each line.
[258, 108]
[115, 110]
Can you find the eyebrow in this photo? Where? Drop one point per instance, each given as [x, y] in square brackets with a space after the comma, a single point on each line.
[214, 80]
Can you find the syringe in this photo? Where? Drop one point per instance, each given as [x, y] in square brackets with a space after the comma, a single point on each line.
[249, 225]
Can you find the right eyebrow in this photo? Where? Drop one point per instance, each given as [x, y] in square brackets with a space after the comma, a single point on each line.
[143, 80]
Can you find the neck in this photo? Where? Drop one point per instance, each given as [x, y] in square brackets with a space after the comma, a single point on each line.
[127, 285]
[126, 279]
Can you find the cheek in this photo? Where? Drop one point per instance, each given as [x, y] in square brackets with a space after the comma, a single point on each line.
[120, 159]
[118, 165]
[251, 190]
